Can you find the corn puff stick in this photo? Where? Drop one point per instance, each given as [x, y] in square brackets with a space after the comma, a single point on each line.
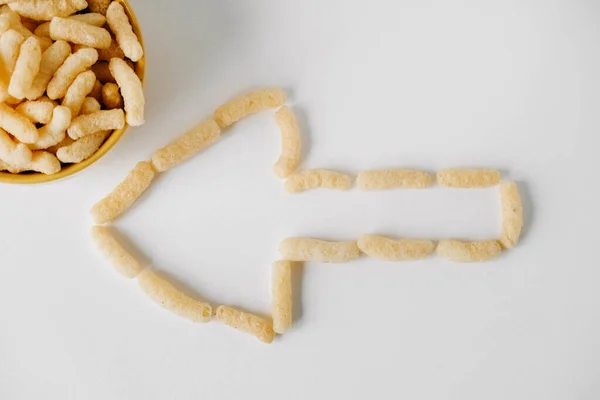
[122, 261]
[4, 23]
[37, 111]
[281, 291]
[92, 18]
[317, 178]
[83, 148]
[44, 162]
[468, 178]
[54, 132]
[395, 250]
[26, 68]
[458, 251]
[290, 143]
[90, 105]
[111, 97]
[164, 294]
[15, 23]
[96, 92]
[125, 194]
[75, 64]
[393, 179]
[52, 59]
[45, 10]
[186, 146]
[119, 24]
[17, 125]
[246, 104]
[246, 322]
[307, 249]
[99, 121]
[131, 90]
[512, 214]
[74, 31]
[67, 141]
[43, 30]
[15, 154]
[41, 161]
[10, 45]
[77, 92]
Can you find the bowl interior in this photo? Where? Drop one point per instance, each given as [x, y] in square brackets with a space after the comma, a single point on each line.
[70, 169]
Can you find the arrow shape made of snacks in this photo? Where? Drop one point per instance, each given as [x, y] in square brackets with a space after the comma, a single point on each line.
[293, 251]
[67, 81]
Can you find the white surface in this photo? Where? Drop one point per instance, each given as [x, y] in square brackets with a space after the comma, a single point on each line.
[512, 85]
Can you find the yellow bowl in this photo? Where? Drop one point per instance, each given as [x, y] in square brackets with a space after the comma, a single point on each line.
[35, 177]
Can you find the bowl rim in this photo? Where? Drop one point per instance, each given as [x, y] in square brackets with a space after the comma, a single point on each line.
[32, 178]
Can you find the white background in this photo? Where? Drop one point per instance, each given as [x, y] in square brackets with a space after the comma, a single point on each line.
[513, 85]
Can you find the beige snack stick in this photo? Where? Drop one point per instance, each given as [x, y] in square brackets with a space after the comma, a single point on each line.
[388, 249]
[26, 68]
[15, 23]
[44, 42]
[131, 90]
[92, 18]
[281, 292]
[52, 59]
[17, 125]
[90, 105]
[166, 295]
[393, 179]
[119, 24]
[38, 112]
[43, 30]
[122, 261]
[45, 10]
[125, 194]
[113, 51]
[261, 328]
[317, 178]
[4, 23]
[187, 145]
[468, 178]
[67, 141]
[41, 161]
[44, 162]
[46, 99]
[457, 251]
[99, 6]
[15, 154]
[74, 31]
[71, 151]
[308, 249]
[290, 143]
[78, 91]
[96, 92]
[111, 97]
[10, 45]
[99, 121]
[53, 132]
[512, 214]
[75, 64]
[248, 103]
[81, 149]
[8, 168]
[102, 72]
